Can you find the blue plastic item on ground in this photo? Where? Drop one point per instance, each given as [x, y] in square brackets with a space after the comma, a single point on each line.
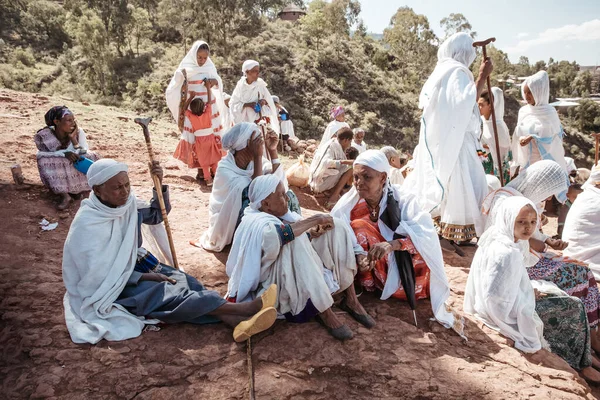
[83, 164]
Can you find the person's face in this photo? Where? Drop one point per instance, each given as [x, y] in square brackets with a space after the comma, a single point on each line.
[201, 57]
[484, 108]
[368, 182]
[526, 223]
[341, 117]
[358, 137]
[395, 162]
[345, 143]
[276, 203]
[253, 74]
[529, 96]
[572, 193]
[115, 191]
[66, 124]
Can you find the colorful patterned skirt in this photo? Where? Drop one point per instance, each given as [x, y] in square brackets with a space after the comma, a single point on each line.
[573, 277]
[59, 175]
[566, 329]
[488, 166]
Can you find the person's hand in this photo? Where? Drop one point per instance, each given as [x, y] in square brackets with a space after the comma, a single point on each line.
[486, 147]
[263, 102]
[524, 141]
[250, 105]
[363, 263]
[538, 294]
[156, 169]
[192, 94]
[71, 156]
[379, 251]
[272, 139]
[210, 83]
[324, 220]
[319, 230]
[152, 276]
[486, 68]
[256, 145]
[544, 220]
[557, 244]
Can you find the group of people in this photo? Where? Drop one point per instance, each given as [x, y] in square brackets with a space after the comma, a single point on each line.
[385, 233]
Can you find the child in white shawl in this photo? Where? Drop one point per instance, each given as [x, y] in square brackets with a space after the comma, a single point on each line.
[539, 133]
[500, 293]
[487, 136]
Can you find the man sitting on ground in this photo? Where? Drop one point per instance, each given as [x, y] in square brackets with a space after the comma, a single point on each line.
[396, 163]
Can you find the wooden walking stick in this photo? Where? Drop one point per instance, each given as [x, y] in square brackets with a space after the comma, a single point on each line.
[482, 44]
[143, 122]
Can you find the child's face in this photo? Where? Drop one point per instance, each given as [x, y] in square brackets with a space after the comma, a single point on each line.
[526, 223]
[253, 74]
[529, 96]
[573, 193]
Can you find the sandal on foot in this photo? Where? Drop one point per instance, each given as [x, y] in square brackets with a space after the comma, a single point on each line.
[364, 319]
[261, 321]
[342, 333]
[269, 297]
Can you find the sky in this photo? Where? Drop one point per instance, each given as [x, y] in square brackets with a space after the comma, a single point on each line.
[561, 29]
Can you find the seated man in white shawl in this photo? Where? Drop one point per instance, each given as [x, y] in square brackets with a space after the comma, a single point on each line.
[582, 227]
[396, 164]
[358, 142]
[330, 169]
[309, 259]
[389, 225]
[115, 286]
[229, 197]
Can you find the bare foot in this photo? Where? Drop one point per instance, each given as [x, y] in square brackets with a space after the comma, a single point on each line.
[196, 243]
[591, 375]
[595, 362]
[352, 301]
[65, 202]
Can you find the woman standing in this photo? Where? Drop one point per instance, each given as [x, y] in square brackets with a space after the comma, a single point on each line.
[59, 145]
[200, 144]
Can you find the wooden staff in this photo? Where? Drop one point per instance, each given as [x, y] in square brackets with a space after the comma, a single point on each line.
[262, 123]
[143, 122]
[482, 44]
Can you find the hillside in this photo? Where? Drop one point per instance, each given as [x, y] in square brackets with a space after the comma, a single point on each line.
[394, 360]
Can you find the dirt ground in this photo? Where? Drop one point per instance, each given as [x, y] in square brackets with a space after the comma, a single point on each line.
[291, 361]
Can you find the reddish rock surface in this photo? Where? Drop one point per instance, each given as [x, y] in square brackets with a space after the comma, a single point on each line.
[394, 360]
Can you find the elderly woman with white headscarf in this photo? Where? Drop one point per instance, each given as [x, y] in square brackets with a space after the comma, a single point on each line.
[115, 286]
[251, 101]
[309, 259]
[488, 138]
[229, 197]
[367, 209]
[500, 293]
[448, 178]
[537, 183]
[539, 133]
[196, 77]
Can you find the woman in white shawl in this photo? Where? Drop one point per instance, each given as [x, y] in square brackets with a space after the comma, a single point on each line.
[448, 179]
[500, 293]
[229, 197]
[539, 133]
[115, 286]
[487, 136]
[362, 209]
[270, 246]
[537, 183]
[197, 73]
[582, 227]
[251, 101]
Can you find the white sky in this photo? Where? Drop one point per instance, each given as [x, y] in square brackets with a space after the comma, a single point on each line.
[538, 29]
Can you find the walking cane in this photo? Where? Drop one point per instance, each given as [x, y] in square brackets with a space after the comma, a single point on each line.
[143, 122]
[262, 125]
[482, 44]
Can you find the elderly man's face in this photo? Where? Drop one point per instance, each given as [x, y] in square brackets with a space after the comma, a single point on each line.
[115, 191]
[368, 182]
[276, 203]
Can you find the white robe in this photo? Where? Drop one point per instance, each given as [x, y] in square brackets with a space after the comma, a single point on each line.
[250, 93]
[325, 168]
[226, 200]
[360, 147]
[301, 269]
[396, 177]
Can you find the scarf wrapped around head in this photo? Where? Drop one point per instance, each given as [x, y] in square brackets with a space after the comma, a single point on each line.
[539, 85]
[104, 169]
[374, 159]
[236, 138]
[336, 112]
[248, 65]
[541, 180]
[275, 99]
[261, 188]
[56, 112]
[458, 47]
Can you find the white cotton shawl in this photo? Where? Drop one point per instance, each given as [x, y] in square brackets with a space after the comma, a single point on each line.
[249, 93]
[498, 290]
[319, 170]
[418, 226]
[330, 132]
[226, 200]
[99, 256]
[237, 138]
[195, 72]
[449, 103]
[542, 123]
[260, 188]
[487, 135]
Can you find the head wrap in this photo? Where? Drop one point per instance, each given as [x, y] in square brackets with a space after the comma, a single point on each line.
[261, 187]
[541, 180]
[374, 159]
[236, 138]
[248, 65]
[56, 112]
[336, 112]
[357, 130]
[506, 216]
[275, 99]
[493, 182]
[104, 169]
[570, 165]
[594, 178]
[458, 47]
[390, 152]
[539, 84]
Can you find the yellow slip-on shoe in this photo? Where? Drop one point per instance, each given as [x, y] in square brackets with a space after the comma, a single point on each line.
[261, 321]
[269, 297]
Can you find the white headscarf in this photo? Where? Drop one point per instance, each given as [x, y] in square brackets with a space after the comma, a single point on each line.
[236, 138]
[458, 47]
[375, 159]
[260, 188]
[498, 290]
[570, 165]
[539, 85]
[104, 169]
[248, 65]
[543, 179]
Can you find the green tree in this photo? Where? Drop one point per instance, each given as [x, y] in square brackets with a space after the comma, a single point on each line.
[455, 23]
[502, 65]
[582, 85]
[139, 29]
[586, 116]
